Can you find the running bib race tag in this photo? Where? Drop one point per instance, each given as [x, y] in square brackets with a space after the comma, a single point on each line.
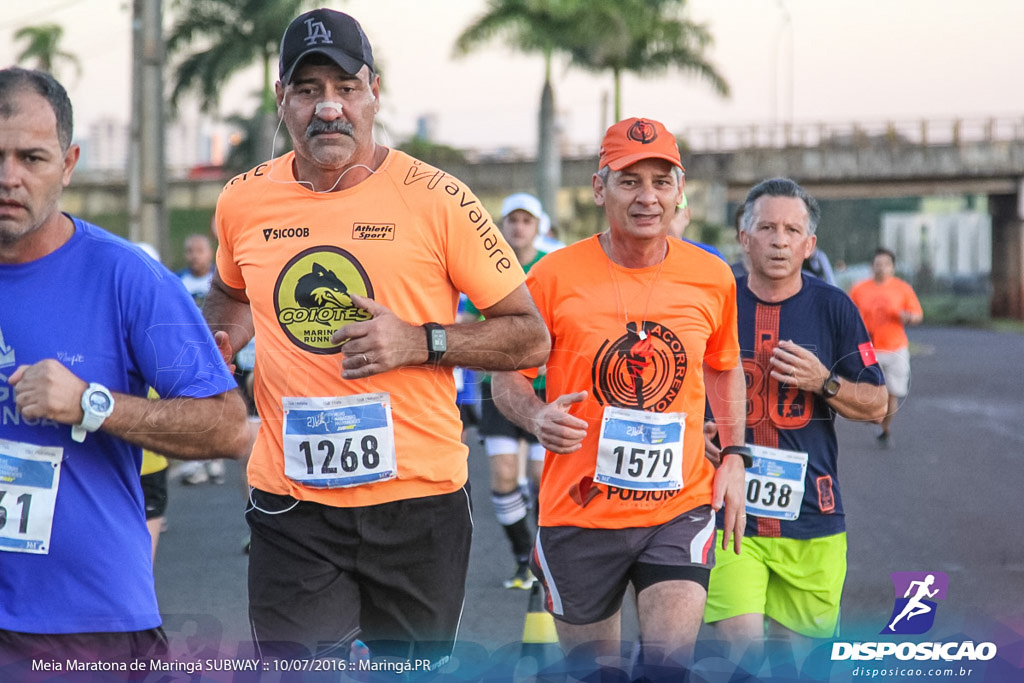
[29, 476]
[640, 450]
[775, 483]
[341, 441]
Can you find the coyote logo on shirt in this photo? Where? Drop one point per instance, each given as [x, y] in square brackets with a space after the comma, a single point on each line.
[320, 288]
[312, 300]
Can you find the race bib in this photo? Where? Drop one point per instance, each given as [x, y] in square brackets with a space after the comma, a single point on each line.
[336, 442]
[640, 450]
[775, 483]
[29, 476]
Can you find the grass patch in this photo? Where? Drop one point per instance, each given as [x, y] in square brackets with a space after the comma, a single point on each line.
[956, 309]
[1007, 325]
[181, 223]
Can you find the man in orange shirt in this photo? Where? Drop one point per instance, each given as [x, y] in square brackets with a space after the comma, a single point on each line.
[888, 305]
[347, 259]
[641, 325]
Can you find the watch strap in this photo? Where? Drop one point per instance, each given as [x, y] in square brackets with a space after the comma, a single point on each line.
[830, 387]
[742, 451]
[92, 420]
[434, 354]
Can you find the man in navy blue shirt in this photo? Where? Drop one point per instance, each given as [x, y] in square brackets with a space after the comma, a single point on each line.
[807, 358]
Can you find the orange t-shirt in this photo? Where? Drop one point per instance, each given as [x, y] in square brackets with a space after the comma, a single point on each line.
[880, 305]
[409, 236]
[689, 303]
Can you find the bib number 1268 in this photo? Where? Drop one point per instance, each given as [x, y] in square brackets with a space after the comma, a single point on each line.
[326, 460]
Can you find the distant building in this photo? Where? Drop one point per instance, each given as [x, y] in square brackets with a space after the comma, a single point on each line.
[187, 143]
[950, 247]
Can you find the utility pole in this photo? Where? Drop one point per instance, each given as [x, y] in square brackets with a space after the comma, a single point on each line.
[147, 176]
[549, 154]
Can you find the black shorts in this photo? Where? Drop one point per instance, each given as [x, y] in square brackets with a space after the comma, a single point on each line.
[469, 414]
[154, 492]
[493, 423]
[585, 571]
[392, 575]
[18, 651]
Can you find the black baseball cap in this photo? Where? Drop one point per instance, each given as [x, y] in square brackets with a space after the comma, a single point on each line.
[324, 31]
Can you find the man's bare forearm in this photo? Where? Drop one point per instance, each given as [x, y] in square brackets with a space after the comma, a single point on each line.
[227, 310]
[514, 396]
[185, 428]
[509, 342]
[726, 392]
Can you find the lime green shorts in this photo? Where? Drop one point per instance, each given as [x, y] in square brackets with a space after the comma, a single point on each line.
[798, 583]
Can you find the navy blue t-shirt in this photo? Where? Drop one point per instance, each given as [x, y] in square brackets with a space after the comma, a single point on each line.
[823, 319]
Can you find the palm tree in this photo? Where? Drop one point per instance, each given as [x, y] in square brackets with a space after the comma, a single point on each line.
[43, 46]
[531, 26]
[215, 39]
[646, 37]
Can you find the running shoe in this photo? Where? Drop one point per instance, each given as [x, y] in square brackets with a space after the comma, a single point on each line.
[194, 474]
[523, 579]
[215, 468]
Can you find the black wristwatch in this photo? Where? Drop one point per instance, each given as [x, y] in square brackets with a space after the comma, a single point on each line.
[742, 451]
[437, 342]
[830, 387]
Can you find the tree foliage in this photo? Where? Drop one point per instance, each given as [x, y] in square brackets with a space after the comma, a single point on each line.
[42, 48]
[643, 37]
[530, 26]
[212, 40]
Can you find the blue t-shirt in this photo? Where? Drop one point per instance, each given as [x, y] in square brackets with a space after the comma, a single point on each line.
[821, 318]
[114, 316]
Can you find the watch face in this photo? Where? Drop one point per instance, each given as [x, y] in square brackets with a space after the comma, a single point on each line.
[99, 401]
[438, 340]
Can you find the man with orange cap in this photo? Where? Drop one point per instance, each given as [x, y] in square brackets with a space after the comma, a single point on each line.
[641, 326]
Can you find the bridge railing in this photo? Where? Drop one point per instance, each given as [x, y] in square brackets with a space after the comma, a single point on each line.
[951, 131]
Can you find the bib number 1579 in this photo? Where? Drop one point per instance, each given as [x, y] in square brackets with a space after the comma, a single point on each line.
[638, 460]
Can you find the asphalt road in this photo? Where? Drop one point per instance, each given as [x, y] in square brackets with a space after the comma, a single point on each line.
[946, 497]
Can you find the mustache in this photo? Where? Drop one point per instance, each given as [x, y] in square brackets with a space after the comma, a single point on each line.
[318, 126]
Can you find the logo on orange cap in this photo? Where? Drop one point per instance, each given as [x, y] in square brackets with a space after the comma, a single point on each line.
[643, 132]
[635, 139]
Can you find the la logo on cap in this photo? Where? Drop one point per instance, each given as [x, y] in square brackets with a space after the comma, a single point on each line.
[642, 131]
[317, 32]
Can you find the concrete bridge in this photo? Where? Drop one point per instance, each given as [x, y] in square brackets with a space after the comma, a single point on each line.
[852, 161]
[848, 161]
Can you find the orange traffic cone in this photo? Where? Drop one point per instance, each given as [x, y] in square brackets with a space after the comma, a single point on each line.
[540, 640]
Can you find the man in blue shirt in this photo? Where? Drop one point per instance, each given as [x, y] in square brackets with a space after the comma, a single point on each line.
[88, 322]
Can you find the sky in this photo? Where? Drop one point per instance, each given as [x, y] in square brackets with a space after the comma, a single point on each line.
[802, 61]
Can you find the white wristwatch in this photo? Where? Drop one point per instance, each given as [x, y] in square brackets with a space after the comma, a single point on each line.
[97, 405]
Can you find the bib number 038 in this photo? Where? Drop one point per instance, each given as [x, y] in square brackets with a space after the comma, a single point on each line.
[775, 483]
